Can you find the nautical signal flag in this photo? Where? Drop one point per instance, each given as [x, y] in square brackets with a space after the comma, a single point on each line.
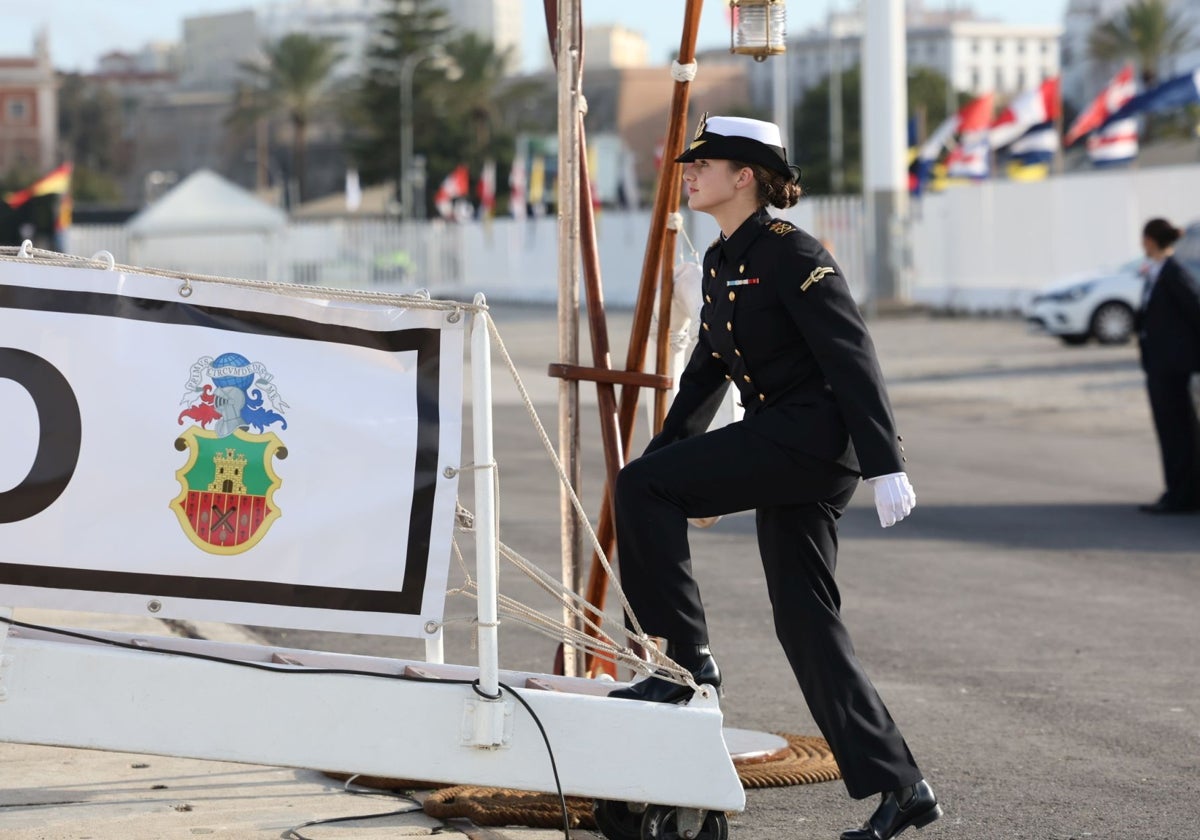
[1031, 154]
[1120, 89]
[537, 185]
[929, 152]
[516, 186]
[1114, 143]
[456, 185]
[1031, 108]
[971, 158]
[1171, 94]
[976, 115]
[487, 189]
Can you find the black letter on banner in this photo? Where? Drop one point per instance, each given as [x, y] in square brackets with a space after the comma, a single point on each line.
[59, 434]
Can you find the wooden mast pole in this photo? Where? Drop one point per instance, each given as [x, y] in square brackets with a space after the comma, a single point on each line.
[568, 62]
[657, 264]
[616, 422]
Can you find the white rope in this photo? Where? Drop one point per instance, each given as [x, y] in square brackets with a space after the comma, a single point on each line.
[553, 628]
[598, 640]
[692, 248]
[419, 300]
[683, 72]
[562, 475]
[567, 597]
[675, 223]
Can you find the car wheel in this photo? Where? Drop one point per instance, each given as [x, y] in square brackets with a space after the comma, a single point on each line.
[1075, 340]
[1112, 323]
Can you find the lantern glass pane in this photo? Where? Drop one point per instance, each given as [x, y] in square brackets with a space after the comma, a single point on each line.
[761, 27]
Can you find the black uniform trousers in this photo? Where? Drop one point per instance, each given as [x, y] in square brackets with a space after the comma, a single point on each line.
[798, 500]
[1178, 434]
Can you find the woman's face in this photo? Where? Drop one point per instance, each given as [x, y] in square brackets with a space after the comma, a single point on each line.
[1150, 247]
[709, 183]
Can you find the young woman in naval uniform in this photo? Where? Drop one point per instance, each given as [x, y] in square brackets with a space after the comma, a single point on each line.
[779, 323]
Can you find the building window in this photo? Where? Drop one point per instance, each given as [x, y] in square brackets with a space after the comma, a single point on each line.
[999, 46]
[999, 78]
[1020, 48]
[975, 80]
[17, 111]
[975, 45]
[1021, 79]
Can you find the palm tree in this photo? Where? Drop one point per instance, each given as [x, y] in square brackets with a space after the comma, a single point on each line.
[483, 112]
[294, 81]
[1147, 31]
[402, 29]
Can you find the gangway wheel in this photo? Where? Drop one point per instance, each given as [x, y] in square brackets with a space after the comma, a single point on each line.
[619, 820]
[664, 822]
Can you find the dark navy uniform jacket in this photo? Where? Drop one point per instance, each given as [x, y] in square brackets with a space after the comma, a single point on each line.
[779, 322]
[1169, 324]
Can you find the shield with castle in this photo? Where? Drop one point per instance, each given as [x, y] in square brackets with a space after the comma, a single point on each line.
[226, 501]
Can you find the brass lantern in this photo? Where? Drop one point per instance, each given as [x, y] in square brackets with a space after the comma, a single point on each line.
[757, 28]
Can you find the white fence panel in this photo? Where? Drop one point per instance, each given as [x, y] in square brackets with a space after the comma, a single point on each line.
[985, 247]
[86, 240]
[992, 245]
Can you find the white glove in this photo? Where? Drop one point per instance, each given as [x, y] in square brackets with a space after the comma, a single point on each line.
[894, 497]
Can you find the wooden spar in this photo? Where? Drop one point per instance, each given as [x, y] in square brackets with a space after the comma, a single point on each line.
[659, 253]
[616, 420]
[666, 291]
[569, 67]
[659, 257]
[668, 192]
[601, 373]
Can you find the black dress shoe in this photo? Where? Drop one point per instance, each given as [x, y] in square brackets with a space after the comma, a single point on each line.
[914, 806]
[1163, 506]
[696, 658]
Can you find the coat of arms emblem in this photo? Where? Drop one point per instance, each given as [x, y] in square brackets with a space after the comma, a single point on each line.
[226, 502]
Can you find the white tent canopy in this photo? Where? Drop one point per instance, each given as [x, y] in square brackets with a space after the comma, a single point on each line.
[204, 203]
[209, 225]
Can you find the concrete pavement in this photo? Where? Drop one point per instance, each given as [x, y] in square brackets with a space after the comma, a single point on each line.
[1033, 634]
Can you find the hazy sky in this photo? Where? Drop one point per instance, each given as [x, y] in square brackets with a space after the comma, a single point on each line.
[82, 30]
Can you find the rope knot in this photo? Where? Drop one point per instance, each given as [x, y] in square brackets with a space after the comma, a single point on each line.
[683, 72]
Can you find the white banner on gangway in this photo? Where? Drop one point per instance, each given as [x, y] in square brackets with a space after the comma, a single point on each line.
[231, 455]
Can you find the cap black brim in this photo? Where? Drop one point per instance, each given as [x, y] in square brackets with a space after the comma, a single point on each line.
[726, 147]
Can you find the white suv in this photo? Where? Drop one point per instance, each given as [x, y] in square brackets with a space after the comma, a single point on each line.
[1102, 306]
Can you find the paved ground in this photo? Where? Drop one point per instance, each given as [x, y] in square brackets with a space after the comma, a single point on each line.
[1032, 633]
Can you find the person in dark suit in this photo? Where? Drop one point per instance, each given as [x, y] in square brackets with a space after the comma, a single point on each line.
[778, 321]
[1169, 339]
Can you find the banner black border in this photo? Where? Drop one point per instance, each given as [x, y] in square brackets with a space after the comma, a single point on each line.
[424, 340]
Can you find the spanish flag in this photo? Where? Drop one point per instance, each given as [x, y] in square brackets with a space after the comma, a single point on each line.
[41, 211]
[57, 182]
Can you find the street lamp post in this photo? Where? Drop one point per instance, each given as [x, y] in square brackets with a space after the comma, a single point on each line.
[408, 69]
